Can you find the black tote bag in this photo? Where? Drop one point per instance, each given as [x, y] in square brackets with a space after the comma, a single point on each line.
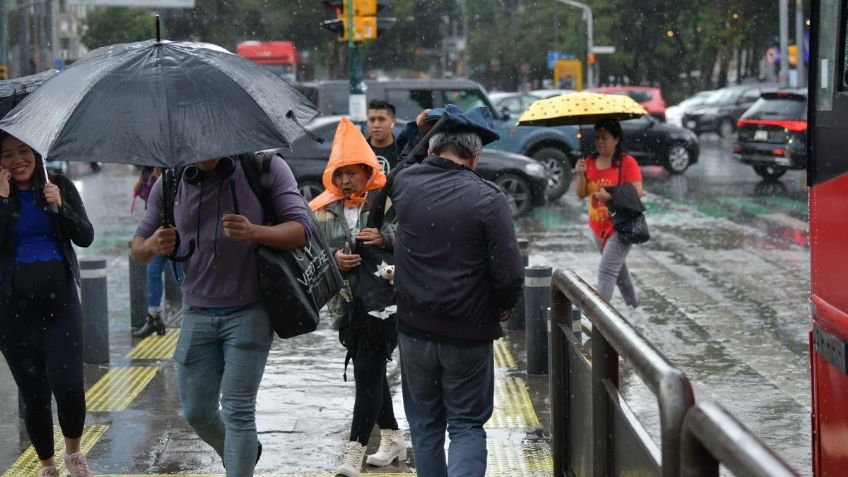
[296, 284]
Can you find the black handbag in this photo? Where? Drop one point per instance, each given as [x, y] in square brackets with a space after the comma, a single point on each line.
[629, 219]
[295, 284]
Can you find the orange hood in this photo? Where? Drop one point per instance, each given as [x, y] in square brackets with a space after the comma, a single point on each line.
[349, 148]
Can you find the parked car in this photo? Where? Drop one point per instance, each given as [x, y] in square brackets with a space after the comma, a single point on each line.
[553, 147]
[651, 142]
[511, 104]
[674, 114]
[649, 97]
[549, 93]
[773, 133]
[720, 111]
[522, 179]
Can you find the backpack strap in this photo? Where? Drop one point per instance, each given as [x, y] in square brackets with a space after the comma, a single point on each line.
[257, 171]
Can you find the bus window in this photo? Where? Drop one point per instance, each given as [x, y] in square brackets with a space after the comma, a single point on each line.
[845, 51]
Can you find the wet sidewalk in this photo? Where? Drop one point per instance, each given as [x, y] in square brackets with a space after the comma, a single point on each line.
[134, 425]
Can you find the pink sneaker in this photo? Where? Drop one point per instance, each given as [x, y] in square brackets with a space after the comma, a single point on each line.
[49, 471]
[77, 465]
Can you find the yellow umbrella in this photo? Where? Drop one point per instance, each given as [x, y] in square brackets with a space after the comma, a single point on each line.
[580, 108]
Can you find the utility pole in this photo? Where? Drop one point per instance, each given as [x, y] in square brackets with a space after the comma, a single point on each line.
[356, 101]
[799, 43]
[783, 76]
[590, 45]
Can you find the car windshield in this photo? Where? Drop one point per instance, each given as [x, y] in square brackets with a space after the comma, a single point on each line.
[722, 96]
[699, 98]
[790, 107]
[464, 98]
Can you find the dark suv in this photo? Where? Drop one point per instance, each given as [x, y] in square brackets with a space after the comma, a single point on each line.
[720, 111]
[773, 134]
[553, 147]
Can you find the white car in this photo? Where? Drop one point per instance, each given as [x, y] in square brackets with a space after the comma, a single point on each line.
[549, 93]
[674, 114]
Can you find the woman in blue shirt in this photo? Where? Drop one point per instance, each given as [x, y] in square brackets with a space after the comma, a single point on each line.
[40, 315]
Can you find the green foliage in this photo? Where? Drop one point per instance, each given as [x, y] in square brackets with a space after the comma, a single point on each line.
[107, 26]
[672, 43]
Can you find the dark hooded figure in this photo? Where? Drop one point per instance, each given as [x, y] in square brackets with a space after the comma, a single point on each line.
[458, 274]
[40, 313]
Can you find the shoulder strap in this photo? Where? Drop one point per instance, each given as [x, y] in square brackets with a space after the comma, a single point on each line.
[257, 171]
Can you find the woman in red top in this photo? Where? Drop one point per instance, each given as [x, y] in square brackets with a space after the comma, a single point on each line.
[594, 174]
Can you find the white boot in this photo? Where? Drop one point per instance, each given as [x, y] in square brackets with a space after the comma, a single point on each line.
[352, 462]
[392, 446]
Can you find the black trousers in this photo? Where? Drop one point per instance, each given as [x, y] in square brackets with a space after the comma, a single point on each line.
[41, 339]
[373, 399]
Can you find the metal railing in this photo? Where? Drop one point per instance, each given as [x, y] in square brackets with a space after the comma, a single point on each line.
[712, 436]
[593, 431]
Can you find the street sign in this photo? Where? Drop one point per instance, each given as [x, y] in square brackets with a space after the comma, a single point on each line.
[603, 50]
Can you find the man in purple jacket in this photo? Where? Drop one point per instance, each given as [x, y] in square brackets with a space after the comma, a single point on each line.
[226, 334]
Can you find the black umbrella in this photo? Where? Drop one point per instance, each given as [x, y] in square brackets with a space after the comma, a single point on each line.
[159, 103]
[13, 91]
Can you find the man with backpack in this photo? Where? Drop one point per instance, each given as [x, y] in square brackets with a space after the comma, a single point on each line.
[226, 334]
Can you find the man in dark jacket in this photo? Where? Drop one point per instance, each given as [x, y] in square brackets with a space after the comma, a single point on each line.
[458, 275]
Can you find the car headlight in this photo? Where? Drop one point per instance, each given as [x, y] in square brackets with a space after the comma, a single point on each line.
[536, 170]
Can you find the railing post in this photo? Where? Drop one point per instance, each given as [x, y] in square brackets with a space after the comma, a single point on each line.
[517, 321]
[95, 315]
[138, 293]
[558, 378]
[604, 368]
[537, 295]
[695, 459]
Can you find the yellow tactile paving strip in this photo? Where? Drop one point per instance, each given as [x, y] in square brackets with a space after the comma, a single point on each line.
[503, 356]
[513, 407]
[117, 388]
[531, 459]
[156, 347]
[27, 464]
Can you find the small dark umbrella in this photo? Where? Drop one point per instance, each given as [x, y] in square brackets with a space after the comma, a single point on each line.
[159, 103]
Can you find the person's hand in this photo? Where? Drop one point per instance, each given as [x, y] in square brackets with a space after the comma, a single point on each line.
[163, 241]
[603, 196]
[5, 184]
[370, 237]
[238, 227]
[52, 195]
[580, 166]
[504, 315]
[421, 121]
[347, 261]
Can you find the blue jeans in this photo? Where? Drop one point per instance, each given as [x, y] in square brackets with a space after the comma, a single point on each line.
[453, 387]
[220, 361]
[155, 282]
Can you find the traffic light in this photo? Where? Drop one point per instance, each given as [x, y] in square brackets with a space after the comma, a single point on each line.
[366, 23]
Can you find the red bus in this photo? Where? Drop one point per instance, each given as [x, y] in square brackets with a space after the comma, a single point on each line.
[827, 173]
[278, 56]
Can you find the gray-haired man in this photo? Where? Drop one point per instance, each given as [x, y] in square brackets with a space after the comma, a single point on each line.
[458, 274]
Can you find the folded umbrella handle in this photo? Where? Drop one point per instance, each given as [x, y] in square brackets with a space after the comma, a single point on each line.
[182, 258]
